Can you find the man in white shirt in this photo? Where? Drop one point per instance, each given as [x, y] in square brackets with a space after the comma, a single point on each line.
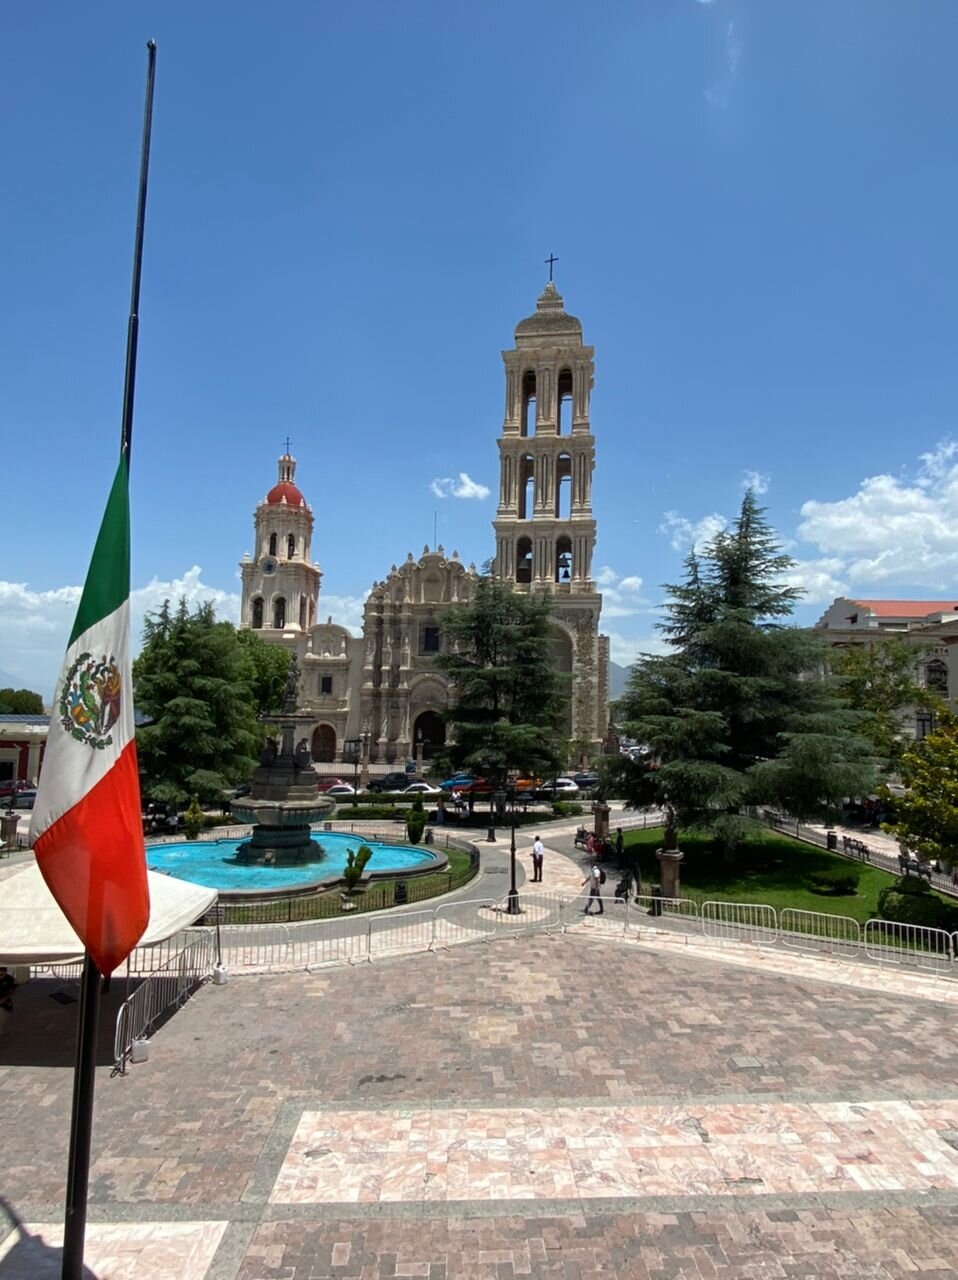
[538, 849]
[594, 881]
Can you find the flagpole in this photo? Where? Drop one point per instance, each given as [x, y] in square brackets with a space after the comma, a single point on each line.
[84, 1076]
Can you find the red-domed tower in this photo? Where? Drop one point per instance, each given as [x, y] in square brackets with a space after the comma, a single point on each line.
[280, 583]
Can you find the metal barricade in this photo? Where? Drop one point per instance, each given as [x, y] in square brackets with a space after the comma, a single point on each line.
[819, 932]
[456, 923]
[890, 942]
[166, 988]
[754, 922]
[680, 915]
[254, 946]
[315, 943]
[537, 913]
[398, 932]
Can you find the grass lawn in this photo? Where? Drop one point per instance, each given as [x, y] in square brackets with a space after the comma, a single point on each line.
[771, 868]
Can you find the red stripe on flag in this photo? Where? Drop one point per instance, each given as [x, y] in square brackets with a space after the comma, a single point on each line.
[94, 864]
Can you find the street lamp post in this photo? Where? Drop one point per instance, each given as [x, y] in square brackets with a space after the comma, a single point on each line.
[419, 753]
[513, 907]
[364, 757]
[496, 799]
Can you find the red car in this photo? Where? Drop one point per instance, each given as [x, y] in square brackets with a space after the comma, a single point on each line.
[325, 783]
[475, 786]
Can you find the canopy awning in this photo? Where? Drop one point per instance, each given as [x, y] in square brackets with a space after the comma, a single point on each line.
[33, 929]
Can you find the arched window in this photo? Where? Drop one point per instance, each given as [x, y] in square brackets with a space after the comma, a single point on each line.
[564, 398]
[324, 744]
[563, 559]
[302, 613]
[256, 620]
[936, 676]
[279, 613]
[291, 547]
[272, 544]
[528, 403]
[527, 487]
[563, 504]
[524, 560]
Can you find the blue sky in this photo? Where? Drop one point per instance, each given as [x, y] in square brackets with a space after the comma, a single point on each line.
[754, 209]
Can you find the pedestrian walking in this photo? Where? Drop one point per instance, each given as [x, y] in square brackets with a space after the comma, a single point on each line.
[595, 880]
[619, 843]
[537, 851]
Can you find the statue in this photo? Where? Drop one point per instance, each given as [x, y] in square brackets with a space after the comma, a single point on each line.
[268, 758]
[671, 832]
[301, 757]
[291, 690]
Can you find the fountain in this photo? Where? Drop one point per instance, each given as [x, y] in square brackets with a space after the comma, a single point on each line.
[283, 800]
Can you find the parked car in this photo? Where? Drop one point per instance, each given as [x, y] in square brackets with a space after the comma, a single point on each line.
[25, 799]
[341, 789]
[585, 781]
[527, 783]
[327, 784]
[473, 786]
[8, 787]
[397, 781]
[558, 789]
[420, 789]
[457, 780]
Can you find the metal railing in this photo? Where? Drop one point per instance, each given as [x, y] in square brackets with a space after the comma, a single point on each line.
[160, 991]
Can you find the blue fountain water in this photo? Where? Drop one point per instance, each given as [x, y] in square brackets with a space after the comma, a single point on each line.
[213, 862]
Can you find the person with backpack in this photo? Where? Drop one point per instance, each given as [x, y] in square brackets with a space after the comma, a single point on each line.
[595, 880]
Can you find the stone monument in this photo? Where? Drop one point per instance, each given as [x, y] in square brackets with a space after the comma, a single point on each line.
[670, 858]
[283, 800]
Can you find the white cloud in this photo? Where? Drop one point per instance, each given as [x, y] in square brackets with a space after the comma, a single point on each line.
[758, 481]
[719, 93]
[621, 596]
[463, 487]
[894, 528]
[624, 648]
[817, 579]
[347, 611]
[685, 534]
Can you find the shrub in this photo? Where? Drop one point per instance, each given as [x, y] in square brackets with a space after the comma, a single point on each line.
[567, 809]
[193, 819]
[416, 822]
[907, 905]
[356, 865]
[836, 879]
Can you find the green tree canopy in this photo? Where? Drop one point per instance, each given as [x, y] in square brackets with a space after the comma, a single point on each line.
[22, 702]
[739, 711]
[510, 700]
[270, 665]
[878, 679]
[197, 683]
[927, 814]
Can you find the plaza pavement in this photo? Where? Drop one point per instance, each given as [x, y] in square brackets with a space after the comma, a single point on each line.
[574, 1105]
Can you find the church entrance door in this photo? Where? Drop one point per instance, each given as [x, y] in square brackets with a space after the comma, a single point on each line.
[433, 730]
[324, 744]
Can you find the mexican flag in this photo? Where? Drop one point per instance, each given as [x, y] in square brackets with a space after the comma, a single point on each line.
[87, 830]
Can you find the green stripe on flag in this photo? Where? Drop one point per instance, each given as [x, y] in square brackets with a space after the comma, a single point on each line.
[108, 580]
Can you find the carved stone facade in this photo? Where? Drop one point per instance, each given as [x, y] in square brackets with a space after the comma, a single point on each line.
[382, 690]
[545, 528]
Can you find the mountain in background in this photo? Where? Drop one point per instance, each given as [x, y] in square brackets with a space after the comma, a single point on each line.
[618, 679]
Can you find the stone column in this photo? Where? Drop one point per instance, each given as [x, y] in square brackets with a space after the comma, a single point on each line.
[600, 826]
[669, 876]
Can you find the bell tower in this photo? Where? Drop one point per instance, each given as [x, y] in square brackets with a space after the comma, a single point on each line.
[280, 582]
[544, 526]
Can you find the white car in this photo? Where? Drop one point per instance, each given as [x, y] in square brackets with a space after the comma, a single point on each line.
[340, 789]
[420, 789]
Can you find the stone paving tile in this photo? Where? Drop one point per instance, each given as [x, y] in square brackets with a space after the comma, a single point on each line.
[882, 1244]
[201, 1130]
[125, 1251]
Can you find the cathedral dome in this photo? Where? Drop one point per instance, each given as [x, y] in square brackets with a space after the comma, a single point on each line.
[550, 316]
[285, 492]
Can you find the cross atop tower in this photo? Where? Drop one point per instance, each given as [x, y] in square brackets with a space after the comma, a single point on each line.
[549, 261]
[287, 444]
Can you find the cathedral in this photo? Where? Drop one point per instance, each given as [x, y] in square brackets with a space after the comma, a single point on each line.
[379, 698]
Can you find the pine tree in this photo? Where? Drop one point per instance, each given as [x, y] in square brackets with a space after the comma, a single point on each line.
[196, 682]
[740, 711]
[510, 701]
